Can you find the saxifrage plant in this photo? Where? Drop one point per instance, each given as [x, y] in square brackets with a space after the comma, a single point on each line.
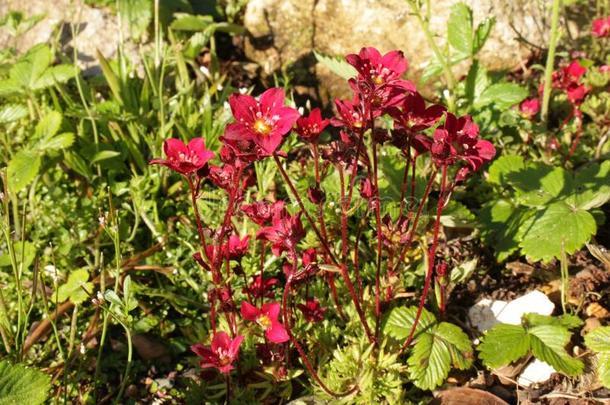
[386, 115]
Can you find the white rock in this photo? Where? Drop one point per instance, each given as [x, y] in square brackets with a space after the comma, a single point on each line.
[486, 313]
[535, 373]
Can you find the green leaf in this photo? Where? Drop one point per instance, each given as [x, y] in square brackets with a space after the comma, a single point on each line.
[21, 385]
[482, 33]
[113, 298]
[503, 344]
[501, 222]
[190, 22]
[429, 362]
[457, 215]
[476, 81]
[502, 95]
[77, 288]
[458, 344]
[538, 185]
[26, 250]
[111, 77]
[603, 368]
[399, 322]
[567, 321]
[104, 155]
[598, 339]
[61, 141]
[31, 66]
[337, 66]
[503, 166]
[592, 186]
[137, 15]
[22, 169]
[12, 112]
[459, 29]
[548, 344]
[49, 125]
[544, 234]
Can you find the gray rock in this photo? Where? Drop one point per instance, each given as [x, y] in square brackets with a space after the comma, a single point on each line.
[285, 31]
[96, 29]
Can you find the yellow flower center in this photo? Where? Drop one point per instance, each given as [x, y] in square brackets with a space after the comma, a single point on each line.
[262, 127]
[264, 322]
[377, 80]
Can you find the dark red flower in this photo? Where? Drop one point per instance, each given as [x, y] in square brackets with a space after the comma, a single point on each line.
[366, 189]
[568, 80]
[261, 287]
[266, 318]
[458, 140]
[413, 116]
[530, 107]
[601, 27]
[284, 233]
[312, 311]
[184, 159]
[309, 128]
[233, 249]
[264, 122]
[316, 195]
[222, 353]
[376, 69]
[352, 114]
[262, 212]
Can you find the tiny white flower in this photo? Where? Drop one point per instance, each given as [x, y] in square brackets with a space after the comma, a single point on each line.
[243, 90]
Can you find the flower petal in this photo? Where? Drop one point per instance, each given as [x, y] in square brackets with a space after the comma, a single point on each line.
[249, 312]
[174, 147]
[277, 333]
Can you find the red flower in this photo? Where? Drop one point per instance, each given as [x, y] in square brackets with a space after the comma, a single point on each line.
[601, 27]
[221, 354]
[310, 128]
[352, 114]
[376, 69]
[530, 107]
[414, 116]
[312, 311]
[234, 249]
[458, 140]
[184, 159]
[266, 318]
[265, 122]
[262, 211]
[284, 233]
[568, 80]
[261, 287]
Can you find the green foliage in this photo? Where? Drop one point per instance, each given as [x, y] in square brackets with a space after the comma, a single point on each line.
[21, 385]
[544, 337]
[437, 348]
[336, 65]
[546, 208]
[33, 72]
[77, 288]
[598, 340]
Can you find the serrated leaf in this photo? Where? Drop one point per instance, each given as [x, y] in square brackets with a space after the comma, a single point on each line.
[399, 322]
[503, 166]
[76, 288]
[429, 362]
[567, 321]
[21, 385]
[12, 112]
[591, 186]
[599, 339]
[502, 95]
[603, 368]
[558, 225]
[538, 185]
[503, 344]
[22, 169]
[61, 141]
[337, 66]
[457, 215]
[548, 344]
[459, 29]
[49, 125]
[501, 222]
[458, 344]
[482, 33]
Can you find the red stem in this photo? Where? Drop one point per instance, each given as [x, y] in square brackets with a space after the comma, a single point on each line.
[431, 256]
